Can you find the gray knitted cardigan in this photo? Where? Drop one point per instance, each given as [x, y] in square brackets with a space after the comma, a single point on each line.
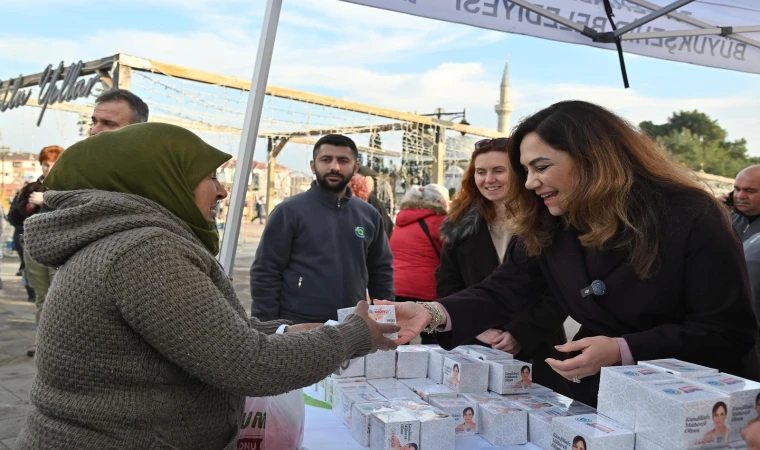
[143, 344]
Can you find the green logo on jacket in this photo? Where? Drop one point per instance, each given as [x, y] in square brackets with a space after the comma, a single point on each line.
[359, 232]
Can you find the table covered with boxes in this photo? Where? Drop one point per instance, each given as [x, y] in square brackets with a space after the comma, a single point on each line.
[422, 397]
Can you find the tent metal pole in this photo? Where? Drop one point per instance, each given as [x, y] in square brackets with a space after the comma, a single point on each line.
[691, 21]
[683, 33]
[650, 17]
[250, 133]
[586, 31]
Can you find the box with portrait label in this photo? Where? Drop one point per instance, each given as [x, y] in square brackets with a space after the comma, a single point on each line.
[643, 443]
[403, 392]
[393, 430]
[411, 361]
[380, 364]
[360, 418]
[463, 374]
[348, 399]
[682, 414]
[435, 364]
[620, 390]
[590, 432]
[679, 368]
[744, 394]
[502, 424]
[352, 368]
[464, 412]
[436, 429]
[485, 353]
[536, 389]
[483, 398]
[509, 376]
[380, 313]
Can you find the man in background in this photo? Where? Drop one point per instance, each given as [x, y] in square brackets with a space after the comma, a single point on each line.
[324, 249]
[117, 108]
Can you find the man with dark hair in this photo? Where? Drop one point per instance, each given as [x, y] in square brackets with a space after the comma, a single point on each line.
[117, 108]
[371, 176]
[322, 250]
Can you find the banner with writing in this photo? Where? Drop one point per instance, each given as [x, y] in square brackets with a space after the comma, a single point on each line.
[504, 15]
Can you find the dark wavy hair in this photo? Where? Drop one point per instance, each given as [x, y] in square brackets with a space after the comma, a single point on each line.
[618, 174]
[577, 439]
[471, 410]
[469, 194]
[720, 405]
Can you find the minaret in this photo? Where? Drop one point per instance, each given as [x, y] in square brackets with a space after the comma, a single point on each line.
[504, 108]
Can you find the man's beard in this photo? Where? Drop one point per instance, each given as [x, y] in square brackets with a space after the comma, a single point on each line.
[326, 185]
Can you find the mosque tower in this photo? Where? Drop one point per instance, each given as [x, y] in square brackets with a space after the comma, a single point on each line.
[504, 108]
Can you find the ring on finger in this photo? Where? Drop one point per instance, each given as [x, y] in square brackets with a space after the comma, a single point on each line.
[576, 379]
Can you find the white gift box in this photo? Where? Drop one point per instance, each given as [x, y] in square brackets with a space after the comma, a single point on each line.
[386, 383]
[595, 431]
[502, 424]
[410, 404]
[381, 314]
[360, 418]
[392, 394]
[510, 376]
[620, 390]
[431, 346]
[339, 390]
[435, 364]
[482, 398]
[349, 398]
[464, 374]
[436, 429]
[528, 402]
[411, 361]
[350, 369]
[540, 425]
[392, 430]
[426, 389]
[572, 407]
[679, 368]
[537, 389]
[678, 414]
[464, 412]
[380, 364]
[744, 395]
[485, 353]
[327, 389]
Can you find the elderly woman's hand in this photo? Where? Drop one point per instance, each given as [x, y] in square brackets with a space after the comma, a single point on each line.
[379, 342]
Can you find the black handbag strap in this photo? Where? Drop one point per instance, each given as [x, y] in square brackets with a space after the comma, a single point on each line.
[426, 230]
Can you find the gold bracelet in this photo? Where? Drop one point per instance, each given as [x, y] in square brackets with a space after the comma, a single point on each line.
[436, 317]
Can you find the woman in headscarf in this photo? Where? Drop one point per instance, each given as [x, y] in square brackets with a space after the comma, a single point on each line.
[143, 342]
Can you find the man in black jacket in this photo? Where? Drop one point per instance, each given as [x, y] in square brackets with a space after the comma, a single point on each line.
[371, 176]
[321, 250]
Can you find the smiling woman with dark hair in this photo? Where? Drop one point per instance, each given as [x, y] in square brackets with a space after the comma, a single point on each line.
[629, 244]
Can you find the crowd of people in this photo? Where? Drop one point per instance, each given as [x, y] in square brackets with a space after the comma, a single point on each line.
[143, 342]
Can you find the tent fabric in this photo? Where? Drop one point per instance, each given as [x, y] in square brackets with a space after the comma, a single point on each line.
[511, 17]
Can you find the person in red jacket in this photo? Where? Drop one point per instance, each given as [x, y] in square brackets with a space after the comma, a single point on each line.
[416, 243]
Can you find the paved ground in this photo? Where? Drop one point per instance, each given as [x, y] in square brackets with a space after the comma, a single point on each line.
[17, 331]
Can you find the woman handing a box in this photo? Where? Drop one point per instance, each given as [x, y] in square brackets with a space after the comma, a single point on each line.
[628, 243]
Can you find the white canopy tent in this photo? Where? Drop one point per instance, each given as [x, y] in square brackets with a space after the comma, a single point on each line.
[715, 33]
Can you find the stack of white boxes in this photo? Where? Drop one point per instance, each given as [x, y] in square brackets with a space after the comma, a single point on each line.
[656, 405]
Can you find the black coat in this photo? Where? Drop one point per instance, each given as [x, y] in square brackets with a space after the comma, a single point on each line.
[468, 257]
[695, 307]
